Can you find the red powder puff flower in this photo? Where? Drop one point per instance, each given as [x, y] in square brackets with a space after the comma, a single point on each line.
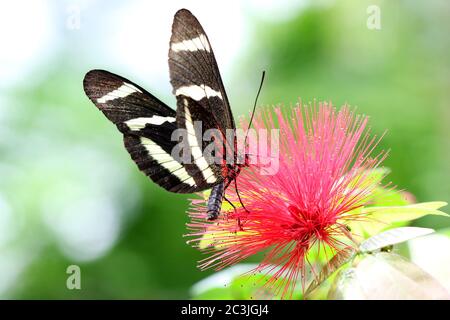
[322, 178]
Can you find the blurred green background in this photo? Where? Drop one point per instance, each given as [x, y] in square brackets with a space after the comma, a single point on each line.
[69, 193]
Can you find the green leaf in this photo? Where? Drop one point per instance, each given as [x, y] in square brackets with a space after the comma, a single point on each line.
[390, 214]
[381, 218]
[384, 197]
[393, 236]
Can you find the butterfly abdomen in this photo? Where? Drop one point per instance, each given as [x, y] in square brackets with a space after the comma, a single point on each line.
[215, 201]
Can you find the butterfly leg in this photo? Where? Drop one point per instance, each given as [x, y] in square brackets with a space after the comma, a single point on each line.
[231, 203]
[237, 191]
[234, 207]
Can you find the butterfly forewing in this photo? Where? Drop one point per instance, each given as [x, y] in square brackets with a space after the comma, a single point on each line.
[147, 125]
[196, 80]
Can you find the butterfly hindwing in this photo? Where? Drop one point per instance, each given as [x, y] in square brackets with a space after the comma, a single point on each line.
[147, 125]
[193, 119]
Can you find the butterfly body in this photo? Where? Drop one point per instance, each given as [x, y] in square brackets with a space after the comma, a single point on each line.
[149, 126]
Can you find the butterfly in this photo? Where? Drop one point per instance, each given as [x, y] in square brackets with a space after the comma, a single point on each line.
[148, 125]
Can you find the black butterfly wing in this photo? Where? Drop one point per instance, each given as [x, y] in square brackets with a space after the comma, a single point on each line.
[147, 125]
[193, 68]
[198, 86]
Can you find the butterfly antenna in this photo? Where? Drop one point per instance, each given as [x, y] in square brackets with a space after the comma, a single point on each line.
[254, 106]
[245, 140]
[239, 197]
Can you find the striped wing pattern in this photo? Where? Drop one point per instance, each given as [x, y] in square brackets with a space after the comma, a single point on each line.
[196, 80]
[147, 125]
